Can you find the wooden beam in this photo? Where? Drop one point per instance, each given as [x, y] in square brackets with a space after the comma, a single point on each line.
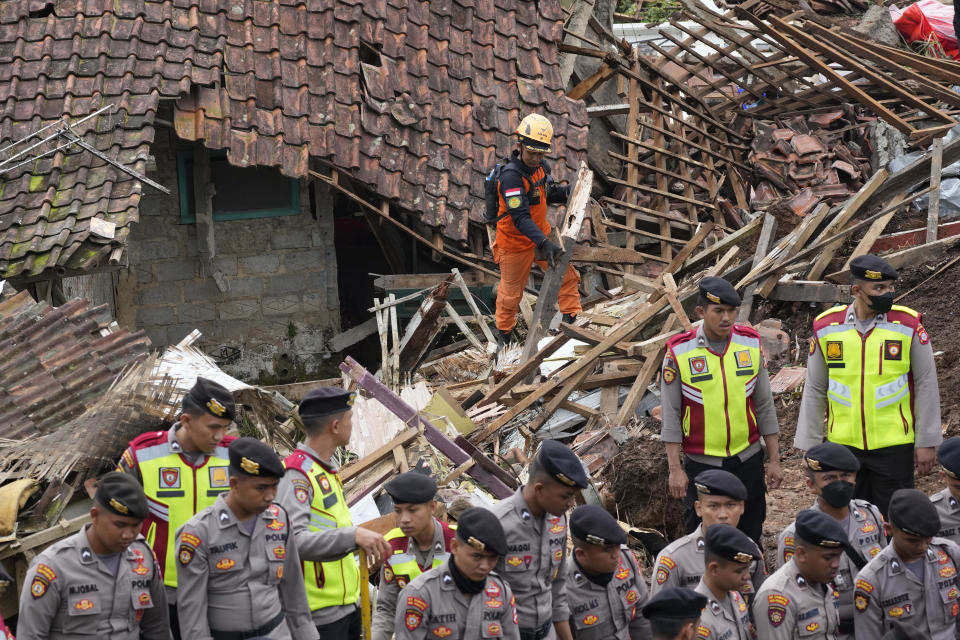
[798, 239]
[518, 375]
[763, 247]
[587, 86]
[639, 387]
[728, 240]
[933, 211]
[356, 468]
[809, 291]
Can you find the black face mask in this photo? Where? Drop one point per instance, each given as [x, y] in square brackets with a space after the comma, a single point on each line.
[599, 579]
[881, 303]
[464, 584]
[838, 493]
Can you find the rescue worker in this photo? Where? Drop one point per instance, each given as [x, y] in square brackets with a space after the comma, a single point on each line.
[717, 405]
[101, 582]
[419, 543]
[536, 528]
[462, 599]
[182, 470]
[831, 471]
[914, 579]
[237, 564]
[871, 373]
[674, 613]
[312, 493]
[605, 587]
[720, 498]
[798, 599]
[727, 559]
[525, 189]
[947, 501]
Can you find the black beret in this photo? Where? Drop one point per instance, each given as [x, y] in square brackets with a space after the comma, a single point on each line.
[717, 482]
[252, 457]
[714, 290]
[480, 529]
[212, 397]
[949, 456]
[817, 528]
[562, 464]
[912, 512]
[730, 543]
[675, 603]
[411, 488]
[325, 401]
[830, 456]
[595, 525]
[872, 268]
[122, 494]
[903, 631]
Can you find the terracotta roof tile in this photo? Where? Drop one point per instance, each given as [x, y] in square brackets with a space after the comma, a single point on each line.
[300, 79]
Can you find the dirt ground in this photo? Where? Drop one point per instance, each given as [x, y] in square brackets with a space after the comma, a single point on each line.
[638, 476]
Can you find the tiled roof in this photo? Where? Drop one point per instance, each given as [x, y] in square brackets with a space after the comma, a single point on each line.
[414, 98]
[57, 361]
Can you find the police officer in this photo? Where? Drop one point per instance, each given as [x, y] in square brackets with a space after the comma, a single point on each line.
[182, 471]
[420, 542]
[871, 372]
[720, 498]
[717, 405]
[536, 528]
[462, 599]
[605, 587]
[674, 613]
[312, 493]
[100, 582]
[525, 188]
[831, 473]
[947, 501]
[914, 579]
[237, 564]
[798, 599]
[729, 554]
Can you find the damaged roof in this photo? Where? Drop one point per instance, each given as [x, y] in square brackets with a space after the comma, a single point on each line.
[417, 99]
[58, 361]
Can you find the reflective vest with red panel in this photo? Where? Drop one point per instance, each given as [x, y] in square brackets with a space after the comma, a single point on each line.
[175, 490]
[717, 411]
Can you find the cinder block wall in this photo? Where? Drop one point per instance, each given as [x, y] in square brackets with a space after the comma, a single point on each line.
[282, 304]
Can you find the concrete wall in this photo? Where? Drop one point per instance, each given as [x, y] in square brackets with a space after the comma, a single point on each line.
[272, 324]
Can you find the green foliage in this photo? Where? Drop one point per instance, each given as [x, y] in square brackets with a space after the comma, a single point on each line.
[651, 12]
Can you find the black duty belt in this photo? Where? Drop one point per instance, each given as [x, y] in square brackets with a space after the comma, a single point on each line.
[845, 626]
[260, 631]
[535, 634]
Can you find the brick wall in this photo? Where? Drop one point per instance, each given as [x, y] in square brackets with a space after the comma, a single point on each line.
[282, 303]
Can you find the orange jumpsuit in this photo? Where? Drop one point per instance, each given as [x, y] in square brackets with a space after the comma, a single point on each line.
[521, 227]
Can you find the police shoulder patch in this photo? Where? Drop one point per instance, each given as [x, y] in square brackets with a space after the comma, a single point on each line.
[813, 346]
[922, 335]
[703, 632]
[185, 556]
[412, 619]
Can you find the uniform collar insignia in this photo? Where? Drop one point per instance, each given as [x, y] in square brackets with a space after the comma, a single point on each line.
[700, 545]
[801, 581]
[895, 566]
[715, 607]
[525, 514]
[953, 502]
[224, 516]
[86, 555]
[931, 555]
[858, 514]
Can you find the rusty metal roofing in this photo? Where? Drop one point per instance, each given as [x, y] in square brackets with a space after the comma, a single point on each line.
[57, 361]
[415, 98]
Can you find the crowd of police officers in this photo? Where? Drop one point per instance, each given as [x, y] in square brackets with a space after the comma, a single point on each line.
[198, 535]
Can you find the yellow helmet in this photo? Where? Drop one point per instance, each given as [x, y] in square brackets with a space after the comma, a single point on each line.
[535, 132]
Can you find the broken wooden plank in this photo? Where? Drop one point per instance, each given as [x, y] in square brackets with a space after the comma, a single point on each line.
[613, 255]
[728, 240]
[670, 293]
[912, 237]
[356, 468]
[809, 291]
[767, 234]
[933, 211]
[909, 257]
[798, 238]
[412, 417]
[850, 209]
[468, 296]
[423, 327]
[639, 387]
[527, 367]
[353, 335]
[462, 326]
[870, 237]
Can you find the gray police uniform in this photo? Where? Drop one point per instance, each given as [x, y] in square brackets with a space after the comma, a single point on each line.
[613, 611]
[69, 592]
[787, 607]
[535, 564]
[948, 508]
[865, 533]
[239, 581]
[432, 607]
[887, 590]
[681, 564]
[389, 589]
[727, 619]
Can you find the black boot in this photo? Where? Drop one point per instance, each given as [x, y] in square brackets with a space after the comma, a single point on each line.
[569, 318]
[503, 338]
